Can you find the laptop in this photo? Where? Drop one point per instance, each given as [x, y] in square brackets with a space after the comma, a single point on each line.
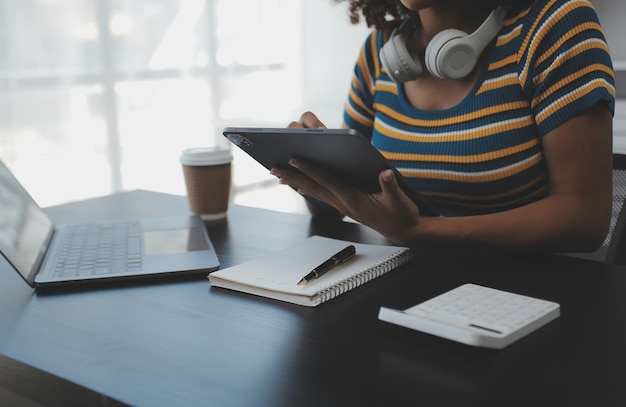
[45, 254]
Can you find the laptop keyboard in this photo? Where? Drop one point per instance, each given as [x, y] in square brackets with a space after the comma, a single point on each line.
[99, 249]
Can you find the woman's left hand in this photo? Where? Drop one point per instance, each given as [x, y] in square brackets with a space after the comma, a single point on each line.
[391, 212]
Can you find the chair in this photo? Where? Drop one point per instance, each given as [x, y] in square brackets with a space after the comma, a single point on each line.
[613, 249]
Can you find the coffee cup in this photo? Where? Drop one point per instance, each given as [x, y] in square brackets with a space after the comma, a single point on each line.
[207, 173]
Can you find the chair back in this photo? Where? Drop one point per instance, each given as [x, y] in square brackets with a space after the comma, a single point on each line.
[613, 250]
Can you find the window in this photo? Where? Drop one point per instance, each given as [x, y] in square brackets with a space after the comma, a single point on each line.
[99, 96]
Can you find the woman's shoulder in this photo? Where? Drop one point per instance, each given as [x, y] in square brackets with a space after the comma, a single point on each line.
[544, 23]
[376, 39]
[378, 36]
[538, 12]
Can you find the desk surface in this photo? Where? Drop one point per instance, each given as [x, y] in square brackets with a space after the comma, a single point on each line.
[181, 342]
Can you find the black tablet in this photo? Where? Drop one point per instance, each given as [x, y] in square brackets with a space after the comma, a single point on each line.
[345, 153]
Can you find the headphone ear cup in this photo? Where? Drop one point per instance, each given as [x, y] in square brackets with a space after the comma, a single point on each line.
[399, 63]
[450, 55]
[453, 54]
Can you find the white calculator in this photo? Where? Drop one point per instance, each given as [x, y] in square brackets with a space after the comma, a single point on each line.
[476, 315]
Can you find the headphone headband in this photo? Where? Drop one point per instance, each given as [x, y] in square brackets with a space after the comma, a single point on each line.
[451, 54]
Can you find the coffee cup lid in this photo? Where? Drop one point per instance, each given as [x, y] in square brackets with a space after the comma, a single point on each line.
[215, 155]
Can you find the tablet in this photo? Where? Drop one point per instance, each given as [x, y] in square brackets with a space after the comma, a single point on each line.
[346, 153]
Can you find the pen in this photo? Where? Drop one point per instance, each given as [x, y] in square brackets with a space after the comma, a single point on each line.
[335, 260]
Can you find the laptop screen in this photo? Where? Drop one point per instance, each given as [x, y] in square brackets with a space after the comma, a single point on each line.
[24, 227]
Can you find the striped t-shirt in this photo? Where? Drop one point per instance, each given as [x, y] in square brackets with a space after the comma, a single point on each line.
[549, 63]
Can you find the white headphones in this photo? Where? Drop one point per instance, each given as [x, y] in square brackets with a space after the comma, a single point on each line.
[451, 54]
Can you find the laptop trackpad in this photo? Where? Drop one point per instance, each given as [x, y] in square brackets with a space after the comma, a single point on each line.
[172, 241]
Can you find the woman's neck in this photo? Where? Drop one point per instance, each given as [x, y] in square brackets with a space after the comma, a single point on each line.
[462, 17]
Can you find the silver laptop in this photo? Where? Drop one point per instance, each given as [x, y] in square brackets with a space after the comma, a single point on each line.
[47, 254]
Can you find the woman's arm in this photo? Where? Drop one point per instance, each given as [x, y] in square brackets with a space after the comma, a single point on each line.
[576, 214]
[574, 217]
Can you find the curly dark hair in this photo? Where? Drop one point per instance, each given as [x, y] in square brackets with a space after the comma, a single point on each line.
[377, 12]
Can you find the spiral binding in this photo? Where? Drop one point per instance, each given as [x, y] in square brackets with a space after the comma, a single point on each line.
[363, 276]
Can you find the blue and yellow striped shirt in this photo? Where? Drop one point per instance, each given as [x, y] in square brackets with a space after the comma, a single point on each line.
[549, 63]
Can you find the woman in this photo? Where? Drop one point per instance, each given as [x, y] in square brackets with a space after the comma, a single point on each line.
[516, 154]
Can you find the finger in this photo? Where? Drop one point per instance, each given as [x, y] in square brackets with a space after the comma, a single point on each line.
[388, 182]
[295, 179]
[317, 174]
[303, 184]
[308, 120]
[391, 191]
[324, 186]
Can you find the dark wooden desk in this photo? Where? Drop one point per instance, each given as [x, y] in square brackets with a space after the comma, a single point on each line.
[183, 343]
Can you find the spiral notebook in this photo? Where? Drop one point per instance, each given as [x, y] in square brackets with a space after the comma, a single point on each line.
[277, 274]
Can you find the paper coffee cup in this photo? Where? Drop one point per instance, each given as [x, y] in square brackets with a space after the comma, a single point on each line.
[207, 173]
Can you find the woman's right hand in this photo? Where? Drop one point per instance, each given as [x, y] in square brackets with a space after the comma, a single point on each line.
[308, 120]
[317, 208]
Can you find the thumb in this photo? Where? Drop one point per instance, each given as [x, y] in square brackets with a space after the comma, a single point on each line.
[388, 182]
